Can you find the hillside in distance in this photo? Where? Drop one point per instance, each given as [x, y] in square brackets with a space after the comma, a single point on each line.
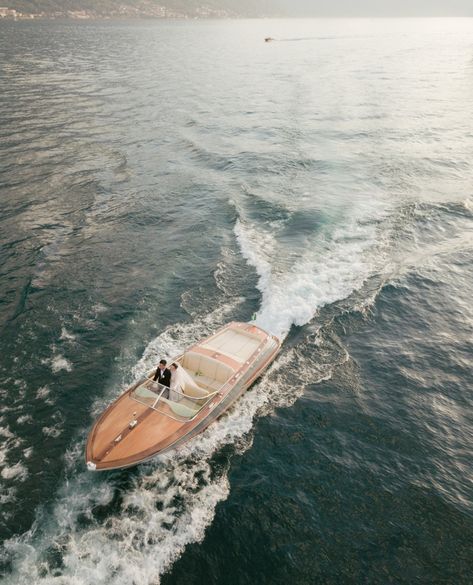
[156, 8]
[235, 8]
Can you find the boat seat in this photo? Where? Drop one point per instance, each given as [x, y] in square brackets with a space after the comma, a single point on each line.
[206, 371]
[204, 382]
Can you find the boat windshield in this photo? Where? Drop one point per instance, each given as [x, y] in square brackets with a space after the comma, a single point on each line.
[172, 403]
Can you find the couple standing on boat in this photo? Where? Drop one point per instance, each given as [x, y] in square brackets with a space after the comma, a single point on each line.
[174, 378]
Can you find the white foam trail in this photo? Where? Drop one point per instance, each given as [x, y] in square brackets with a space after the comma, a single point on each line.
[66, 336]
[326, 271]
[17, 471]
[57, 363]
[43, 392]
[170, 502]
[28, 452]
[7, 495]
[159, 515]
[6, 433]
[53, 431]
[10, 443]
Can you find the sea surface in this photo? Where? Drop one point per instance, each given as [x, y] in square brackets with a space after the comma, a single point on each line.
[159, 179]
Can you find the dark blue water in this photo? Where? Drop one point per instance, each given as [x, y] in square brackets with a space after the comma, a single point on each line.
[160, 179]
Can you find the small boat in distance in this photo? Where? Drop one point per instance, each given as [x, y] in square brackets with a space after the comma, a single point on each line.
[147, 419]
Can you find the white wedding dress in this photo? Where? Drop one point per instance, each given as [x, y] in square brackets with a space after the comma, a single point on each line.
[179, 379]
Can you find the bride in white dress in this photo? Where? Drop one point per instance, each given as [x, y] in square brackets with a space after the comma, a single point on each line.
[179, 379]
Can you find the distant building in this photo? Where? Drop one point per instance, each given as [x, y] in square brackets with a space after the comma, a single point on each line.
[81, 14]
[208, 12]
[9, 13]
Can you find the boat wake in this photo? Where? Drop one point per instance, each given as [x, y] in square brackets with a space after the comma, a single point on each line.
[326, 270]
[130, 526]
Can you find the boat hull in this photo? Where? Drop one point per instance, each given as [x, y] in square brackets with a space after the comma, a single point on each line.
[129, 432]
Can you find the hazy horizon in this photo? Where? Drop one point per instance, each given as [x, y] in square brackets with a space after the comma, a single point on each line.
[369, 8]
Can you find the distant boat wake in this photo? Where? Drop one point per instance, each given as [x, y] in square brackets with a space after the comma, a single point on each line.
[271, 39]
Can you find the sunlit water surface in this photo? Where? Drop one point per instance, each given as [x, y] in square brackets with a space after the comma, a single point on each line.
[159, 179]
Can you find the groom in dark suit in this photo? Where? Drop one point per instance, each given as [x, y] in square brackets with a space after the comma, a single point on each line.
[163, 375]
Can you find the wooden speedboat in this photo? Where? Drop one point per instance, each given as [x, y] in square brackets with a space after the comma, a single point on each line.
[147, 419]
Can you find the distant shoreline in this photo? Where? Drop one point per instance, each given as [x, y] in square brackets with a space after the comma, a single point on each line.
[148, 17]
[125, 13]
[35, 17]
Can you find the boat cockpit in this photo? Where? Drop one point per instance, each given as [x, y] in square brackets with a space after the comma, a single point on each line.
[207, 377]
